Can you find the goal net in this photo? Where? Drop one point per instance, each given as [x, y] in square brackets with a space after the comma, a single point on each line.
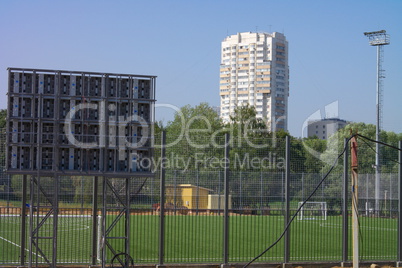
[313, 211]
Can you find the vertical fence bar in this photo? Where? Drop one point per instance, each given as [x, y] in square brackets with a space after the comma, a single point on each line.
[55, 218]
[287, 201]
[198, 192]
[162, 201]
[226, 207]
[31, 219]
[94, 221]
[103, 226]
[345, 222]
[127, 216]
[400, 205]
[23, 218]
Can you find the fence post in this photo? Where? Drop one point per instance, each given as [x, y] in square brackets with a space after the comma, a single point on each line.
[95, 221]
[287, 201]
[226, 177]
[55, 218]
[23, 218]
[162, 200]
[399, 262]
[355, 198]
[345, 222]
[127, 216]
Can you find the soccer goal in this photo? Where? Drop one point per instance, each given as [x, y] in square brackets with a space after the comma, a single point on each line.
[313, 211]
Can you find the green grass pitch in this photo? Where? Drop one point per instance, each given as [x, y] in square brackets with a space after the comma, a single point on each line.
[199, 239]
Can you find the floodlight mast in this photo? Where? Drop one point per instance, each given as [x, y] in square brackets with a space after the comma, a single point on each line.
[379, 39]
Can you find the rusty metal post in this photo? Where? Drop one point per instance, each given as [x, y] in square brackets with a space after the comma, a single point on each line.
[355, 222]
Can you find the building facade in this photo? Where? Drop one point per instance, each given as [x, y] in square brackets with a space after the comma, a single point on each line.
[254, 71]
[325, 128]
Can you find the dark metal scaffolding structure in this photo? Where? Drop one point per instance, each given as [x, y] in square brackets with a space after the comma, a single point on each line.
[70, 123]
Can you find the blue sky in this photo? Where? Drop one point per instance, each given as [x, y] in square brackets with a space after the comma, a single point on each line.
[179, 41]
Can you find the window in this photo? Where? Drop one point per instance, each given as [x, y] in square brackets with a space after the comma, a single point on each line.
[281, 72]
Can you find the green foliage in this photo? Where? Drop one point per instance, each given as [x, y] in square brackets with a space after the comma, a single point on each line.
[197, 134]
[3, 118]
[245, 121]
[366, 149]
[311, 165]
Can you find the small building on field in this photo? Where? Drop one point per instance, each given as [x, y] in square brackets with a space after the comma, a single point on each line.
[187, 195]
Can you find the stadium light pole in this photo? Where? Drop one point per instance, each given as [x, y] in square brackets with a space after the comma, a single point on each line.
[379, 39]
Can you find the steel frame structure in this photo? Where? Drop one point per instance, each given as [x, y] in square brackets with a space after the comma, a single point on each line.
[66, 123]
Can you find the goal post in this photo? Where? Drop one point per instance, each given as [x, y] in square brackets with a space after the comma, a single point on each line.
[312, 211]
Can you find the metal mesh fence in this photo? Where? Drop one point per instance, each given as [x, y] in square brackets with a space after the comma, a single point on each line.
[194, 206]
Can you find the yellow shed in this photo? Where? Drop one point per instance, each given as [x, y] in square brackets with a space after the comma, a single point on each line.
[188, 195]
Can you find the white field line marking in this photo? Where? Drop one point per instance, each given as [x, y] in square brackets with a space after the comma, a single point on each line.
[12, 243]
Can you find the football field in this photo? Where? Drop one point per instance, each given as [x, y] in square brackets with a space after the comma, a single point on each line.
[199, 239]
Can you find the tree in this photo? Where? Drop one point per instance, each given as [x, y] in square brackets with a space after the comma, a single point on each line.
[245, 121]
[193, 133]
[3, 118]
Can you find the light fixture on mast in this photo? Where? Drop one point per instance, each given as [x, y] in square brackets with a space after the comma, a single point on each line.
[379, 39]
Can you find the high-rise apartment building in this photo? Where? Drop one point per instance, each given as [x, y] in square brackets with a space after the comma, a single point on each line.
[254, 70]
